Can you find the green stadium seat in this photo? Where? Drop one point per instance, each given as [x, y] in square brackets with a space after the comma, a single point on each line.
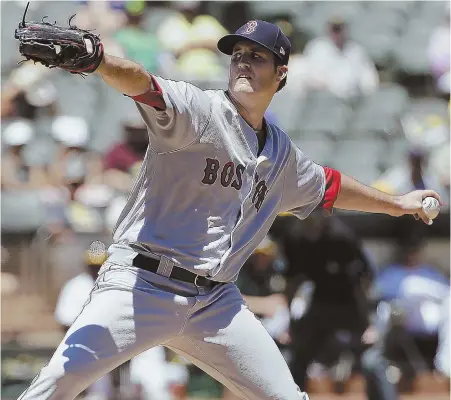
[380, 112]
[315, 19]
[430, 10]
[397, 152]
[11, 15]
[323, 112]
[379, 46]
[411, 52]
[268, 9]
[155, 17]
[111, 111]
[287, 106]
[360, 159]
[401, 7]
[75, 95]
[58, 11]
[320, 151]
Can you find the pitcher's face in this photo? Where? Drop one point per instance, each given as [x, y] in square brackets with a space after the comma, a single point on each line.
[252, 69]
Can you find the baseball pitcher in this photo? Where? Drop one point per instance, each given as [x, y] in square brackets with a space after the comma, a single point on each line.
[215, 176]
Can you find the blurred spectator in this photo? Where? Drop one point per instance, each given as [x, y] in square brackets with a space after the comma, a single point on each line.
[337, 64]
[79, 195]
[121, 164]
[76, 291]
[324, 253]
[28, 93]
[17, 173]
[442, 357]
[139, 45]
[418, 290]
[123, 160]
[262, 285]
[412, 174]
[105, 17]
[72, 136]
[439, 54]
[74, 205]
[192, 36]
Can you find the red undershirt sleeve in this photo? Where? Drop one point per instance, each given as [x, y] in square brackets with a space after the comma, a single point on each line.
[333, 185]
[152, 98]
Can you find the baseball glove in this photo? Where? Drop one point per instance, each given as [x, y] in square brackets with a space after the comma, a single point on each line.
[72, 49]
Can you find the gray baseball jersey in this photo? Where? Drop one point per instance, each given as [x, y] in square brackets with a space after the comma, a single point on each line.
[204, 197]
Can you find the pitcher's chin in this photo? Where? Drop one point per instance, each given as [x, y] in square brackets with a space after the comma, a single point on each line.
[243, 87]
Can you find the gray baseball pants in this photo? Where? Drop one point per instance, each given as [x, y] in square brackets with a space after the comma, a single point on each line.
[131, 310]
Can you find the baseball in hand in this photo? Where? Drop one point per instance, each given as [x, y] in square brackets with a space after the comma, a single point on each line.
[431, 207]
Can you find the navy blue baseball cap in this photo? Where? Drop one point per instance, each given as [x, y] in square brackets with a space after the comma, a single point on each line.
[264, 33]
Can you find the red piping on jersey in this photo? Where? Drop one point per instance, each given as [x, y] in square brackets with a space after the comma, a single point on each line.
[153, 98]
[333, 185]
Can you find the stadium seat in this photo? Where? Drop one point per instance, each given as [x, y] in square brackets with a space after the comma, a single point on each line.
[58, 11]
[411, 54]
[320, 151]
[268, 9]
[314, 19]
[11, 15]
[21, 212]
[402, 7]
[76, 96]
[113, 108]
[430, 10]
[379, 45]
[287, 106]
[155, 16]
[323, 112]
[386, 21]
[380, 112]
[360, 159]
[397, 152]
[424, 24]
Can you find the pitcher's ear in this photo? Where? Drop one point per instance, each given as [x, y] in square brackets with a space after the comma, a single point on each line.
[282, 73]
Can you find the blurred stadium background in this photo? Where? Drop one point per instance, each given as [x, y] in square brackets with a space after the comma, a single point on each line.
[378, 111]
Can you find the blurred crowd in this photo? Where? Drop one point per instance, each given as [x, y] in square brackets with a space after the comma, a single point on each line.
[71, 149]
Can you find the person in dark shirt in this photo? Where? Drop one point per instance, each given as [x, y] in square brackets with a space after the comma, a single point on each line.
[123, 160]
[326, 253]
[262, 284]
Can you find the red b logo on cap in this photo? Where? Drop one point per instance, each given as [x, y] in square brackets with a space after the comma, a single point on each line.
[250, 27]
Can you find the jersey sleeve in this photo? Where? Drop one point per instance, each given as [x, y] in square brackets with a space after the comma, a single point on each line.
[308, 185]
[176, 113]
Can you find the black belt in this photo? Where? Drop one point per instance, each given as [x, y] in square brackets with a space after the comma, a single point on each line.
[152, 264]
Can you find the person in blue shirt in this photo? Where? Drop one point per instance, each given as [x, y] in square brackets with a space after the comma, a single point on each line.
[418, 289]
